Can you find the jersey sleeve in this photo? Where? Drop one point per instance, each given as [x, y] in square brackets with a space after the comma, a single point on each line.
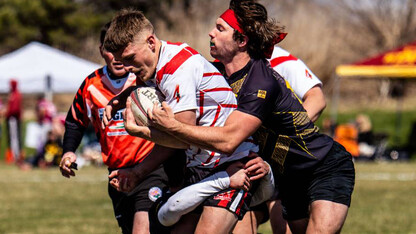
[180, 87]
[76, 121]
[300, 77]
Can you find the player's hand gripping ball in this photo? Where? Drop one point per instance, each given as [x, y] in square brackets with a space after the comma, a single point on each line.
[143, 99]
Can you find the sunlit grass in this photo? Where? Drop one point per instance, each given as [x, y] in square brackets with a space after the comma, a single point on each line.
[384, 199]
[42, 201]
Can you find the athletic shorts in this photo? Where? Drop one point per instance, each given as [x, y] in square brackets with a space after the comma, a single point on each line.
[236, 201]
[331, 180]
[140, 199]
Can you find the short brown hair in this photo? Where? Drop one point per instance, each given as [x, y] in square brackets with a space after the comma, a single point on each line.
[125, 26]
[260, 30]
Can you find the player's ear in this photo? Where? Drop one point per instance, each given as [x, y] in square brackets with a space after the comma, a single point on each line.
[151, 42]
[243, 42]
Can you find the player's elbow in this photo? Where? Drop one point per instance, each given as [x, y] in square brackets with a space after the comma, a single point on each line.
[229, 147]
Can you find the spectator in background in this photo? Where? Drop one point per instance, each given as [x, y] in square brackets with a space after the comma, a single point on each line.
[45, 110]
[366, 143]
[13, 120]
[45, 135]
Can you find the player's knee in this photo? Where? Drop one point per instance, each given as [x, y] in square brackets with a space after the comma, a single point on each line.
[169, 214]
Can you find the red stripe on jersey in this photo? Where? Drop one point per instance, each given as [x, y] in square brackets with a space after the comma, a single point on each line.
[218, 89]
[217, 162]
[216, 115]
[201, 106]
[276, 61]
[229, 105]
[175, 63]
[209, 159]
[212, 74]
[174, 43]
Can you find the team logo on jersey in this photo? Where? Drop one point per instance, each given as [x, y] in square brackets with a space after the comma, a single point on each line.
[154, 193]
[262, 94]
[118, 116]
[308, 74]
[227, 196]
[177, 95]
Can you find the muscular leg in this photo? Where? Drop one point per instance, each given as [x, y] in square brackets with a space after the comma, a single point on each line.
[277, 222]
[326, 217]
[248, 225]
[186, 224]
[216, 220]
[298, 226]
[141, 223]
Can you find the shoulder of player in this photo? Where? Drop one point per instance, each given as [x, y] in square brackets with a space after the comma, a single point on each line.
[96, 74]
[262, 72]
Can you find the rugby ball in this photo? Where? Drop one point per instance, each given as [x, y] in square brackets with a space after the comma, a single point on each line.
[142, 99]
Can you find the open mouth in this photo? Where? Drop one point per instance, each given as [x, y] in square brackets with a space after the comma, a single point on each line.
[118, 66]
[211, 44]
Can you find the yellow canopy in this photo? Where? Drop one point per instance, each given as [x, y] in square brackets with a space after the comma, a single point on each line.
[397, 63]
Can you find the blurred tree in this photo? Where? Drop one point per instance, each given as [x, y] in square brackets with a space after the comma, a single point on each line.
[60, 23]
[373, 26]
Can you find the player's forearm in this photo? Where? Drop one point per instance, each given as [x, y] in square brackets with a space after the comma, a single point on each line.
[72, 136]
[160, 138]
[217, 139]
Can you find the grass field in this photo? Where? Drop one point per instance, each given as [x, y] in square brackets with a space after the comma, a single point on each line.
[42, 201]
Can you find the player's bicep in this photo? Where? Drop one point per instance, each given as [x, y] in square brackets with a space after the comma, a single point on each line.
[240, 126]
[187, 117]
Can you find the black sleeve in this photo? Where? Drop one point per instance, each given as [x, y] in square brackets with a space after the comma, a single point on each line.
[73, 134]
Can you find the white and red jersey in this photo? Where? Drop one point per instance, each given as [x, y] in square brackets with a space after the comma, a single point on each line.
[190, 82]
[299, 76]
[118, 148]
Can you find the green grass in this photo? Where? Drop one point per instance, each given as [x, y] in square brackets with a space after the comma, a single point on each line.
[383, 200]
[42, 201]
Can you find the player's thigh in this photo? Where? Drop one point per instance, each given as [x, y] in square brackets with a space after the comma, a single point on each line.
[327, 217]
[277, 222]
[216, 220]
[248, 225]
[141, 223]
[187, 224]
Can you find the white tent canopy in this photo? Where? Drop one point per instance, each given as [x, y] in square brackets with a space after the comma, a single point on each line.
[34, 62]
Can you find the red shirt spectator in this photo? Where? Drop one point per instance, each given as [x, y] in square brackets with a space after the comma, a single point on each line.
[14, 107]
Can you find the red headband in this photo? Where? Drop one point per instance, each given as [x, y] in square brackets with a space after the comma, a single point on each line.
[278, 38]
[229, 17]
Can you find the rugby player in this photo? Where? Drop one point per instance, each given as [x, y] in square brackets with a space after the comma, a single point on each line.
[119, 149]
[198, 95]
[315, 174]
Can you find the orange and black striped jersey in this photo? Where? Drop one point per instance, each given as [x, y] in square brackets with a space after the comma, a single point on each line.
[119, 149]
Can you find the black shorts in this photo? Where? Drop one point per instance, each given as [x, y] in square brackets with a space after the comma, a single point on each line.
[140, 199]
[236, 201]
[331, 180]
